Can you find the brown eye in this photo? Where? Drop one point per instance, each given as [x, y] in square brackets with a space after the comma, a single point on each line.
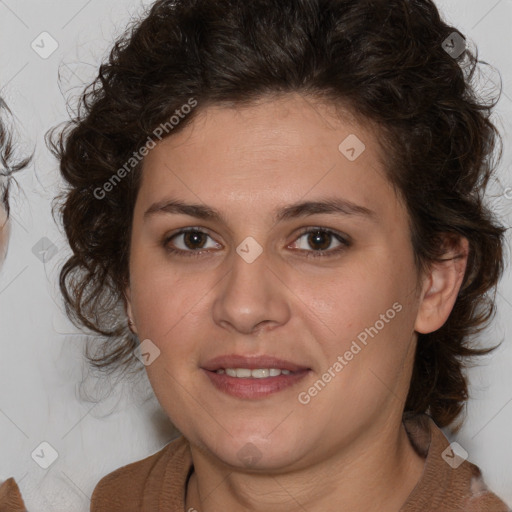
[321, 240]
[188, 242]
[193, 239]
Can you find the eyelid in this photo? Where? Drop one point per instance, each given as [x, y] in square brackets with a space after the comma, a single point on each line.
[334, 232]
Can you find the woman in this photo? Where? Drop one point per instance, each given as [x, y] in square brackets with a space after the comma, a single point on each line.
[6, 168]
[8, 165]
[328, 158]
[10, 497]
[285, 198]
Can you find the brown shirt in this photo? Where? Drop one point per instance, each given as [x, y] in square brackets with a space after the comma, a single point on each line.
[10, 497]
[158, 482]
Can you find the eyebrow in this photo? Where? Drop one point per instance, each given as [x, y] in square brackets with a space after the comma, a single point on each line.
[297, 210]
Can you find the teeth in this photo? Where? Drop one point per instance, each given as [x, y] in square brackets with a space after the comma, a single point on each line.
[246, 373]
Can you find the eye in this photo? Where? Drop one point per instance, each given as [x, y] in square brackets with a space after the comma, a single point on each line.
[192, 239]
[192, 242]
[321, 240]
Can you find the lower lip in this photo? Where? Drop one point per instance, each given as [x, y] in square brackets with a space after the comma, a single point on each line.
[253, 388]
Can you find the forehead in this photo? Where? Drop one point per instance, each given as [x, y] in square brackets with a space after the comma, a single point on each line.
[292, 122]
[272, 152]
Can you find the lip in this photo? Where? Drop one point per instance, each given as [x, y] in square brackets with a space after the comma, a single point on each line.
[251, 362]
[253, 388]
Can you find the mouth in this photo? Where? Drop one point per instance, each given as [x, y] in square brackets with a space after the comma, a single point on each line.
[237, 362]
[257, 373]
[253, 377]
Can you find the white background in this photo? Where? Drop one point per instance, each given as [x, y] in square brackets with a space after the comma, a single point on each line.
[41, 358]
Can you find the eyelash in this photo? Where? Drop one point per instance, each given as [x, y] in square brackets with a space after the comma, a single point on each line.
[345, 243]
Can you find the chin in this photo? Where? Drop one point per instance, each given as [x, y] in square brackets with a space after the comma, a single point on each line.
[256, 447]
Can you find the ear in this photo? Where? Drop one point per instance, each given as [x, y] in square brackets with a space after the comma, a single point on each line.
[128, 307]
[442, 284]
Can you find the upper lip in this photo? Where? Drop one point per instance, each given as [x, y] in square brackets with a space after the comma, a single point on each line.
[251, 362]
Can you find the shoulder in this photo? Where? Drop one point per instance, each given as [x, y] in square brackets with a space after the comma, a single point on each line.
[478, 497]
[10, 497]
[128, 487]
[449, 482]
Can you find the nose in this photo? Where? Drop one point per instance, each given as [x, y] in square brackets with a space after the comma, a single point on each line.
[253, 296]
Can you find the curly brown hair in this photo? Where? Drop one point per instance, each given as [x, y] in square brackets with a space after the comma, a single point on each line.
[387, 60]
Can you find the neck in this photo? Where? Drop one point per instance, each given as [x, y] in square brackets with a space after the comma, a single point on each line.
[375, 473]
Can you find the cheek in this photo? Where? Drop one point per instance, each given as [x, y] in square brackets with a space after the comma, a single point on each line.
[356, 296]
[158, 304]
[165, 304]
[370, 315]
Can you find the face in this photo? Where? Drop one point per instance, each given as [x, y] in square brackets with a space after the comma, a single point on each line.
[330, 292]
[4, 233]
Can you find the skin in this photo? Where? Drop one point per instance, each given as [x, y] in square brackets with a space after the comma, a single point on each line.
[347, 448]
[4, 233]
